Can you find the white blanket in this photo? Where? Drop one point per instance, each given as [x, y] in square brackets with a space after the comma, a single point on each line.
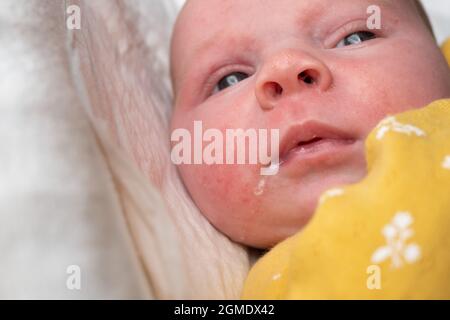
[77, 109]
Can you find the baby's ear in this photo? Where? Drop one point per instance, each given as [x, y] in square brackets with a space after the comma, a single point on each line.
[446, 50]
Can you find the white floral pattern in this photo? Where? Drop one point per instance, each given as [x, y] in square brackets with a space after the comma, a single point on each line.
[396, 234]
[276, 277]
[330, 194]
[446, 163]
[391, 124]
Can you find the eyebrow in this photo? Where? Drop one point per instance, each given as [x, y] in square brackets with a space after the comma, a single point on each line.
[304, 18]
[234, 41]
[238, 39]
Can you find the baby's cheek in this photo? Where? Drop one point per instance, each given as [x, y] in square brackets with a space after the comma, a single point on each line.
[232, 183]
[397, 79]
[224, 193]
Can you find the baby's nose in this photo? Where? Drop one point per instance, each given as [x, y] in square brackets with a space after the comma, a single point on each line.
[289, 72]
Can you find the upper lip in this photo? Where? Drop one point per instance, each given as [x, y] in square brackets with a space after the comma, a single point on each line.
[308, 131]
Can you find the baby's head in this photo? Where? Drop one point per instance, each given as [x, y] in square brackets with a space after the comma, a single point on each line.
[313, 70]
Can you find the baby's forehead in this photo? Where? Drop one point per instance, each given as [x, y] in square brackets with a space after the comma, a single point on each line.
[199, 17]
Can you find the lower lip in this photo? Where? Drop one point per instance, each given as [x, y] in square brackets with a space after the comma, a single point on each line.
[322, 150]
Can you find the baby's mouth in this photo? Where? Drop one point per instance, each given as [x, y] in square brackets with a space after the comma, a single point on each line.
[312, 139]
[307, 145]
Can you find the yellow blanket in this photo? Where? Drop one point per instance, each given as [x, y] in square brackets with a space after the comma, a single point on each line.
[387, 237]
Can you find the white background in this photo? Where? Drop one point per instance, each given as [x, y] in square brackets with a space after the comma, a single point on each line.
[439, 12]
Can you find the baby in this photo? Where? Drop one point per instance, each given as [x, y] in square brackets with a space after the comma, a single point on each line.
[313, 70]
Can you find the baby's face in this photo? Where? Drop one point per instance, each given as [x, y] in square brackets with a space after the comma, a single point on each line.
[294, 65]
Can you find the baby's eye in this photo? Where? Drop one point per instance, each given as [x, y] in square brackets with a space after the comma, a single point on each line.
[356, 38]
[230, 80]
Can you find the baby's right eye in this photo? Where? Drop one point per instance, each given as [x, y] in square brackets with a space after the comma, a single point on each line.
[230, 80]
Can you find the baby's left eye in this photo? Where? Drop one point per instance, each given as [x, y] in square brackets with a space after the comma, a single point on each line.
[356, 38]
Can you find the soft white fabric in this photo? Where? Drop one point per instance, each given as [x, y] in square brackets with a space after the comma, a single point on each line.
[58, 205]
[122, 55]
[77, 109]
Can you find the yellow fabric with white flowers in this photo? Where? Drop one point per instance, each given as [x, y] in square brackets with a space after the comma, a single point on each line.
[387, 237]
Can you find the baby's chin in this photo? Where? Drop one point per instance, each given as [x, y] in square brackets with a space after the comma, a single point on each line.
[289, 208]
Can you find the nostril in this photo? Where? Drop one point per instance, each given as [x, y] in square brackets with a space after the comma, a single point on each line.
[306, 78]
[273, 89]
[278, 89]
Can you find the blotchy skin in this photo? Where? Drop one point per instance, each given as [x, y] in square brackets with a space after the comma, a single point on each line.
[273, 41]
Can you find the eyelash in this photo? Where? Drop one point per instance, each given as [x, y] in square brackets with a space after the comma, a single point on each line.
[212, 83]
[348, 30]
[372, 36]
